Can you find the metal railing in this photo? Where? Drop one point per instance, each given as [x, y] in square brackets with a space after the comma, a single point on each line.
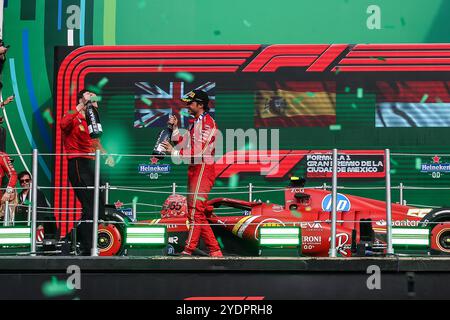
[251, 190]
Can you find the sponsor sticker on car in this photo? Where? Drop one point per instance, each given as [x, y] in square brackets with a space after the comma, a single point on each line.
[342, 203]
[418, 213]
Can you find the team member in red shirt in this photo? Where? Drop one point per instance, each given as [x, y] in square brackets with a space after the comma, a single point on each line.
[7, 168]
[82, 166]
[201, 174]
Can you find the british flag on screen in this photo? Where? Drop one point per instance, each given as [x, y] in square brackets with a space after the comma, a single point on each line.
[154, 103]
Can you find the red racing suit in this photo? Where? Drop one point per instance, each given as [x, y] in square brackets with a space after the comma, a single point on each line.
[201, 175]
[6, 168]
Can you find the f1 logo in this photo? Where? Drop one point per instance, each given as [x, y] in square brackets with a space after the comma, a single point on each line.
[343, 203]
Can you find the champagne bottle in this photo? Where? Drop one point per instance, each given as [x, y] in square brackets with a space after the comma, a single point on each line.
[165, 135]
[93, 121]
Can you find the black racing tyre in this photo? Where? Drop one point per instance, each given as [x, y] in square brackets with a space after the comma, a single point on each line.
[440, 238]
[111, 236]
[109, 240]
[438, 220]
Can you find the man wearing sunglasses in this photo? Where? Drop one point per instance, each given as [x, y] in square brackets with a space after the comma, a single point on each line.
[45, 216]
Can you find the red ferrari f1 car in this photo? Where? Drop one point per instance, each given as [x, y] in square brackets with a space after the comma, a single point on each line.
[359, 220]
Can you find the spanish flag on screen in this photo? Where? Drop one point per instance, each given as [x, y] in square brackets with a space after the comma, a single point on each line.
[300, 105]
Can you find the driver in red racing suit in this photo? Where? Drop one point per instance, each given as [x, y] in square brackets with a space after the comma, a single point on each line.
[201, 175]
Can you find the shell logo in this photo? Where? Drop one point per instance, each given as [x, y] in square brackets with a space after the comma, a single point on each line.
[272, 225]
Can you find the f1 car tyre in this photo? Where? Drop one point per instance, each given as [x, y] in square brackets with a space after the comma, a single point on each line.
[440, 238]
[438, 220]
[109, 241]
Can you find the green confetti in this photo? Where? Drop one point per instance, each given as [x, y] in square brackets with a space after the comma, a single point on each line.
[102, 82]
[219, 183]
[347, 89]
[47, 115]
[335, 127]
[424, 98]
[297, 99]
[395, 163]
[310, 94]
[402, 21]
[186, 76]
[146, 101]
[55, 288]
[217, 32]
[354, 106]
[296, 214]
[135, 200]
[418, 163]
[94, 89]
[142, 4]
[359, 93]
[119, 159]
[184, 113]
[248, 146]
[27, 203]
[337, 70]
[247, 24]
[378, 58]
[96, 98]
[393, 171]
[219, 241]
[233, 181]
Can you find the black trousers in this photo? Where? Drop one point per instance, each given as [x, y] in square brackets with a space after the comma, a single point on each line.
[81, 175]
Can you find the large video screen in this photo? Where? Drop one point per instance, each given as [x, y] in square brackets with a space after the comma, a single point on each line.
[404, 110]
